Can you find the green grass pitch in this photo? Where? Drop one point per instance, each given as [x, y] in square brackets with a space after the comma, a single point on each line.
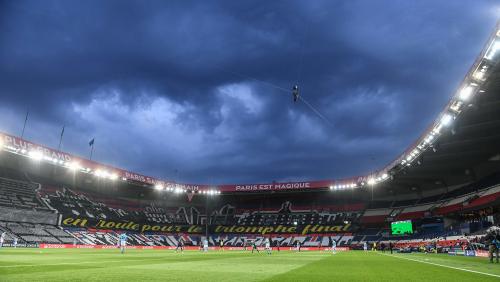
[162, 265]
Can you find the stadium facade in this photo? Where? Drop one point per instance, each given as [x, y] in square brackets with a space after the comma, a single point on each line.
[447, 184]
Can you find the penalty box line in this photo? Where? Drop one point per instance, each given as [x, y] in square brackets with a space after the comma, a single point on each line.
[443, 265]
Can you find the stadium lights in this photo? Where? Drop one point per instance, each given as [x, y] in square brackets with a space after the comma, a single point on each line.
[385, 176]
[101, 173]
[159, 187]
[446, 120]
[492, 50]
[371, 181]
[429, 138]
[479, 74]
[113, 176]
[437, 129]
[467, 92]
[36, 155]
[74, 166]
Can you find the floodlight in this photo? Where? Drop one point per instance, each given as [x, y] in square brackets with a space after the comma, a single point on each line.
[23, 151]
[159, 187]
[331, 187]
[466, 92]
[113, 176]
[371, 181]
[385, 176]
[446, 120]
[36, 155]
[492, 50]
[437, 129]
[74, 166]
[429, 138]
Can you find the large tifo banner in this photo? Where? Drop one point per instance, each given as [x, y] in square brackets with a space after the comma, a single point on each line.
[80, 222]
[26, 148]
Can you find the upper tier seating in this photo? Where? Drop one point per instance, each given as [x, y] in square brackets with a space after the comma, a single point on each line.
[20, 195]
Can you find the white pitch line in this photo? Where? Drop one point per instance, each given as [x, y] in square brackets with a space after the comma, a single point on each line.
[442, 265]
[72, 263]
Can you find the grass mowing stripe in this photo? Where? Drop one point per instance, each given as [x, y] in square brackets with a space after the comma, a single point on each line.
[442, 265]
[97, 262]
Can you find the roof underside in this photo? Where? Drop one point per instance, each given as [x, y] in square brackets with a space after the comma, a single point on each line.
[468, 151]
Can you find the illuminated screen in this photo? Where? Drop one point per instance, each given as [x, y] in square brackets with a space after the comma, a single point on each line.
[402, 227]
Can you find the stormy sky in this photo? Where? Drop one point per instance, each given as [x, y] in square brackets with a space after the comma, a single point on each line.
[197, 91]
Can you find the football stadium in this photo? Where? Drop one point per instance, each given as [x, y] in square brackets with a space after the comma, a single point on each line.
[430, 214]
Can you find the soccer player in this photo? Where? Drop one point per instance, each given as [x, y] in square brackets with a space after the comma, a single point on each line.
[267, 243]
[297, 245]
[254, 247]
[15, 242]
[205, 245]
[123, 242]
[365, 246]
[334, 246]
[221, 244]
[2, 238]
[494, 243]
[180, 245]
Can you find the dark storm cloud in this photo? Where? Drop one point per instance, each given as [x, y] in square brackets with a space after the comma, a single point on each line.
[191, 89]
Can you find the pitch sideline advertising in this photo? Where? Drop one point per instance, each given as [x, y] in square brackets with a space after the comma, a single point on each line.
[102, 224]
